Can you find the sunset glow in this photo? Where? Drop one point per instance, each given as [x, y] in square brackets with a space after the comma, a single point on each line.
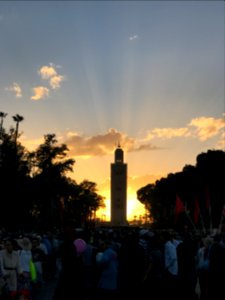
[135, 210]
[147, 74]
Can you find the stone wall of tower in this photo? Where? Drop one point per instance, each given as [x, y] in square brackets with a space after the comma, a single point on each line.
[118, 190]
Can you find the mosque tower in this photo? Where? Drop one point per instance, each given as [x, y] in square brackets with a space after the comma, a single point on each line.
[118, 189]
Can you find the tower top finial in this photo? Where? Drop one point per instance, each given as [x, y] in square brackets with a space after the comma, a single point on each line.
[118, 145]
[119, 154]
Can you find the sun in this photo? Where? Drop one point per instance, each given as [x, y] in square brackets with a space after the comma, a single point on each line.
[135, 209]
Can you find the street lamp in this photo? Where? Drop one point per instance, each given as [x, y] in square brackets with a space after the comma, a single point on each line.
[1, 142]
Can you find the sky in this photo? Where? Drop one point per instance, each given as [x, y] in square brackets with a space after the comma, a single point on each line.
[146, 74]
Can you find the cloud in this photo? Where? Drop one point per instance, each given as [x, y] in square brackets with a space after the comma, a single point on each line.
[133, 37]
[103, 144]
[202, 128]
[47, 72]
[50, 73]
[40, 92]
[16, 89]
[168, 133]
[206, 128]
[55, 81]
[146, 147]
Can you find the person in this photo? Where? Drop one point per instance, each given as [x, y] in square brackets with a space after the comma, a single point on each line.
[38, 257]
[187, 273]
[153, 279]
[171, 265]
[3, 285]
[217, 269]
[10, 266]
[203, 266]
[107, 285]
[71, 278]
[25, 256]
[132, 266]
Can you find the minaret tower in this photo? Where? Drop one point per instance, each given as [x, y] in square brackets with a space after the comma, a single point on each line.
[118, 189]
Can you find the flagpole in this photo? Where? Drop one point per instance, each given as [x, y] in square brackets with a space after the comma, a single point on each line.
[208, 204]
[202, 222]
[210, 219]
[200, 214]
[191, 221]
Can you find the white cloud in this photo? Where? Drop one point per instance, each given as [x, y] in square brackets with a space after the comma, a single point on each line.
[133, 37]
[40, 92]
[168, 133]
[55, 81]
[16, 89]
[103, 144]
[47, 72]
[50, 73]
[202, 128]
[207, 127]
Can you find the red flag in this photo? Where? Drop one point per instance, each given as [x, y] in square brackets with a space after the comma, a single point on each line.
[208, 205]
[196, 211]
[179, 207]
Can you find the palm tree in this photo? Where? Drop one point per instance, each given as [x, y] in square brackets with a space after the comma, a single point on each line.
[2, 116]
[17, 118]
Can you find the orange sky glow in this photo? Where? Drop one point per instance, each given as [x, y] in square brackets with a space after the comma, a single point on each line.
[146, 74]
[134, 208]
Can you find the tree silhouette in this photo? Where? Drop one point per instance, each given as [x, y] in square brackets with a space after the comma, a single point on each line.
[203, 183]
[36, 192]
[49, 165]
[2, 116]
[17, 118]
[14, 177]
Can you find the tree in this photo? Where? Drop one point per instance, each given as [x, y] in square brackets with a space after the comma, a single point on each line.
[146, 195]
[14, 178]
[211, 169]
[91, 199]
[2, 116]
[36, 192]
[203, 183]
[17, 118]
[83, 203]
[49, 167]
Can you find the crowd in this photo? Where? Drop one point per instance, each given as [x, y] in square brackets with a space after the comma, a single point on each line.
[27, 261]
[111, 263]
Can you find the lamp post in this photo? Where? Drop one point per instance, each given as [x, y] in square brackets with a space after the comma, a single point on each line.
[1, 142]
